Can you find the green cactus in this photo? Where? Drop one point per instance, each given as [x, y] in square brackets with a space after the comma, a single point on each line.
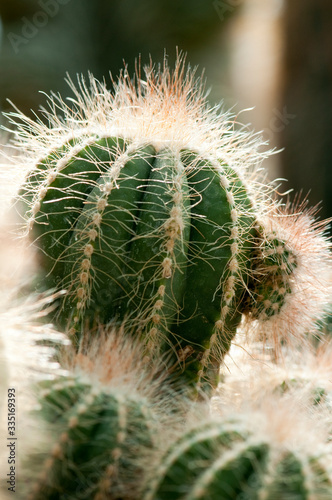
[227, 460]
[272, 268]
[124, 229]
[144, 208]
[97, 433]
[318, 395]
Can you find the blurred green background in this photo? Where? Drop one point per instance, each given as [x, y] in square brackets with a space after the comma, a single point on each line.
[273, 55]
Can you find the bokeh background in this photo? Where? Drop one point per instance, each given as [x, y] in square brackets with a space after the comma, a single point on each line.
[272, 58]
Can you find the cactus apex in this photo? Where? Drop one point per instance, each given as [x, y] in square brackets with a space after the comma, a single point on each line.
[305, 375]
[158, 106]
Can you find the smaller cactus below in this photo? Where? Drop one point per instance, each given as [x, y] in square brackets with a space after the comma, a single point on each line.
[98, 418]
[253, 373]
[255, 455]
[99, 433]
[324, 325]
[308, 378]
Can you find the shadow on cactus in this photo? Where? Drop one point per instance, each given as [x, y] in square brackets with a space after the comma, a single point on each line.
[146, 206]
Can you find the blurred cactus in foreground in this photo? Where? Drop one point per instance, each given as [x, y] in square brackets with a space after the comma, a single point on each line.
[252, 455]
[98, 418]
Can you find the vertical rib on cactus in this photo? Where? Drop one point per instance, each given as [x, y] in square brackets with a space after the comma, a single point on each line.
[62, 185]
[159, 249]
[145, 206]
[95, 260]
[222, 225]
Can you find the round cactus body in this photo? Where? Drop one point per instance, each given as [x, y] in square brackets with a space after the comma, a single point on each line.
[225, 460]
[159, 239]
[146, 207]
[97, 433]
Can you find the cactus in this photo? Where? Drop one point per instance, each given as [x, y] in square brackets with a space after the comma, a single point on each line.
[99, 418]
[98, 434]
[144, 207]
[274, 263]
[289, 270]
[149, 221]
[324, 324]
[229, 459]
[141, 242]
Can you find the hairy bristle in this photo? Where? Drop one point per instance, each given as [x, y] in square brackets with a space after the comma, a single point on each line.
[165, 107]
[310, 281]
